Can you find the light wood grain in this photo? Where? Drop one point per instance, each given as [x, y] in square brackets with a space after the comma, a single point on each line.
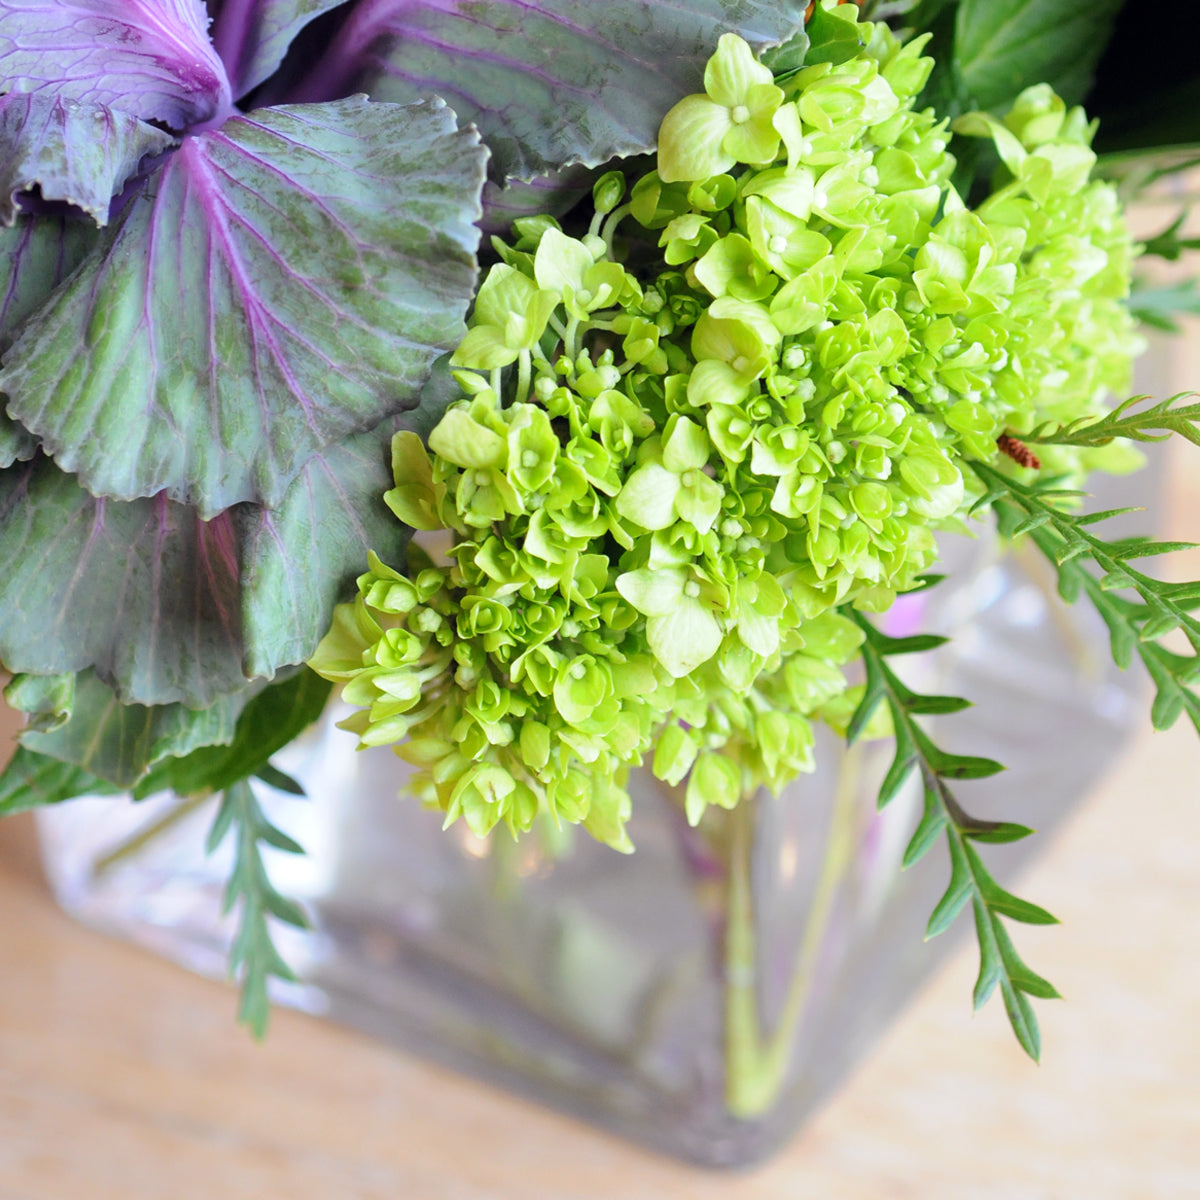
[122, 1076]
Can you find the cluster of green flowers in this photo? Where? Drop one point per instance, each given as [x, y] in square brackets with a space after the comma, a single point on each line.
[740, 401]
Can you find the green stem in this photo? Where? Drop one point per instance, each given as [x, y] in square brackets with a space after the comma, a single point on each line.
[756, 1064]
[524, 363]
[608, 232]
[149, 833]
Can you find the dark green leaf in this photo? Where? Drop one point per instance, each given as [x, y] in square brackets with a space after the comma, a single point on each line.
[272, 719]
[1002, 47]
[147, 591]
[274, 777]
[902, 767]
[932, 825]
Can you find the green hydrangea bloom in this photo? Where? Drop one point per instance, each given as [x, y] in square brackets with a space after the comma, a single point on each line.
[741, 401]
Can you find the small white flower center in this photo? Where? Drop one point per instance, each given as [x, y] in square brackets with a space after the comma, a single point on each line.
[778, 244]
[688, 479]
[739, 114]
[691, 588]
[578, 670]
[482, 479]
[583, 295]
[740, 363]
[530, 458]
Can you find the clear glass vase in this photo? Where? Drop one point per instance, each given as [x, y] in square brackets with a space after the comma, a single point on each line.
[700, 995]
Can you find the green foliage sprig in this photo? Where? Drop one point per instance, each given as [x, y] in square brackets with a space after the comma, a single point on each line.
[254, 955]
[970, 880]
[1156, 423]
[1134, 625]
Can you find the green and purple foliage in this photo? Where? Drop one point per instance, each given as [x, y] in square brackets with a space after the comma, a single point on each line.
[224, 277]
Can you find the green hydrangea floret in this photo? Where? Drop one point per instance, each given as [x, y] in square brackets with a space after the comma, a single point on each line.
[691, 440]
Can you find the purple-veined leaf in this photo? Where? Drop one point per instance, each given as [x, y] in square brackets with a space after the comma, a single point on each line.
[36, 254]
[169, 608]
[252, 36]
[150, 58]
[301, 558]
[144, 592]
[548, 82]
[554, 193]
[80, 154]
[281, 283]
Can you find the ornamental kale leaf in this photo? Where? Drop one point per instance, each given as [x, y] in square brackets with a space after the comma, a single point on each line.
[225, 276]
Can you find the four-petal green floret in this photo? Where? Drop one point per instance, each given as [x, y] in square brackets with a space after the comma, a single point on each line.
[739, 402]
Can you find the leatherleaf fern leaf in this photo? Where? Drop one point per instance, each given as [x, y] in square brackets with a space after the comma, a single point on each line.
[1135, 623]
[254, 954]
[970, 881]
[1155, 423]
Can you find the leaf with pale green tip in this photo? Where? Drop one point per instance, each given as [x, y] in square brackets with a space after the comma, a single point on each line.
[281, 283]
[548, 82]
[120, 742]
[1002, 47]
[145, 592]
[80, 154]
[33, 780]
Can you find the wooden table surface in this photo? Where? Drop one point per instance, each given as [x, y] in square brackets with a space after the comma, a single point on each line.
[123, 1076]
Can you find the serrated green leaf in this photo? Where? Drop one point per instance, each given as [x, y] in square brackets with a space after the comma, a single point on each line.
[931, 826]
[253, 954]
[1029, 524]
[120, 742]
[867, 707]
[959, 890]
[1113, 581]
[33, 780]
[1143, 547]
[222, 824]
[1094, 518]
[917, 644]
[923, 706]
[903, 765]
[998, 831]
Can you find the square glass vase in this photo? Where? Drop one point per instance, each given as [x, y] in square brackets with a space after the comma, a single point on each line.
[700, 995]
